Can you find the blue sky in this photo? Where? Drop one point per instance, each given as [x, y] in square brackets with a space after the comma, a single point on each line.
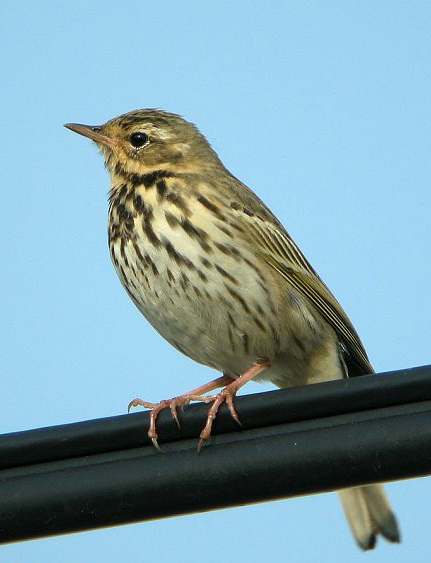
[323, 109]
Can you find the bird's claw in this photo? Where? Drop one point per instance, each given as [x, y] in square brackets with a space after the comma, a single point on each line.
[156, 408]
[226, 395]
[139, 403]
[175, 416]
[156, 443]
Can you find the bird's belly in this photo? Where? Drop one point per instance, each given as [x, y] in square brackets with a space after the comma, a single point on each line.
[211, 299]
[216, 315]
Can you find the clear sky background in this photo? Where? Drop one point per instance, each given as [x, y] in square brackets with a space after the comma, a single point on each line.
[322, 108]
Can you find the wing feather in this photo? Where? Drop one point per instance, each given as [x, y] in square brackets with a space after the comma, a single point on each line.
[282, 254]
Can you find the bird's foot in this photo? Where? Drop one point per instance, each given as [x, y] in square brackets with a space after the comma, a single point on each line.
[227, 395]
[171, 404]
[175, 402]
[231, 386]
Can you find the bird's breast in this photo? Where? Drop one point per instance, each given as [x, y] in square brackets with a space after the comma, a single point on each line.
[194, 279]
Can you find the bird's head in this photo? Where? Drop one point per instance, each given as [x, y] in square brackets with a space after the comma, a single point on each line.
[145, 140]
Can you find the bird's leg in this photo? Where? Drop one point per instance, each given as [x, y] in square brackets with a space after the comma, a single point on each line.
[180, 401]
[227, 395]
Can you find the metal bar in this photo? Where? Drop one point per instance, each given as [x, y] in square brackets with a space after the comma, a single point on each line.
[312, 439]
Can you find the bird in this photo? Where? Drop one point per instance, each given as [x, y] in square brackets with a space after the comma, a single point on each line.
[214, 271]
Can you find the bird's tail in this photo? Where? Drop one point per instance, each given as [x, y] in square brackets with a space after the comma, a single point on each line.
[368, 513]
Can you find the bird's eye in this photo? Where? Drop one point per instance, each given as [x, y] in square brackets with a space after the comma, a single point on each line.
[138, 139]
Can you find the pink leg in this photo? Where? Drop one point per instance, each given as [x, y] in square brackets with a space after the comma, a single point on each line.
[181, 400]
[228, 394]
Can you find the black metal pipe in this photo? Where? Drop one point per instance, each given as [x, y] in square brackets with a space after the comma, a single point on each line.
[299, 441]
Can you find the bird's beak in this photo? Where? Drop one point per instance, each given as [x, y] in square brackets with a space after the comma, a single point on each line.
[92, 132]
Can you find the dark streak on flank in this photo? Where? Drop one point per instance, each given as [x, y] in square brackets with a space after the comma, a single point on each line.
[197, 234]
[147, 281]
[170, 276]
[238, 297]
[179, 202]
[116, 193]
[259, 309]
[132, 297]
[235, 226]
[130, 195]
[161, 188]
[264, 288]
[172, 221]
[223, 300]
[122, 212]
[122, 191]
[151, 235]
[232, 322]
[294, 300]
[114, 256]
[275, 337]
[184, 281]
[259, 323]
[244, 338]
[197, 291]
[231, 339]
[235, 252]
[224, 230]
[225, 274]
[138, 204]
[193, 231]
[206, 262]
[147, 212]
[223, 248]
[228, 250]
[131, 266]
[213, 208]
[176, 256]
[299, 343]
[179, 347]
[122, 252]
[255, 268]
[172, 253]
[151, 263]
[113, 232]
[130, 227]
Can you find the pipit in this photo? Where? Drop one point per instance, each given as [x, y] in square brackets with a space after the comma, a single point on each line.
[217, 275]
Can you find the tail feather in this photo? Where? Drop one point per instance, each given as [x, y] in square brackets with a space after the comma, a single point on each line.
[368, 513]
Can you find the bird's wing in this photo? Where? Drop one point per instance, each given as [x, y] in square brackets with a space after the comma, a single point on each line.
[282, 254]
